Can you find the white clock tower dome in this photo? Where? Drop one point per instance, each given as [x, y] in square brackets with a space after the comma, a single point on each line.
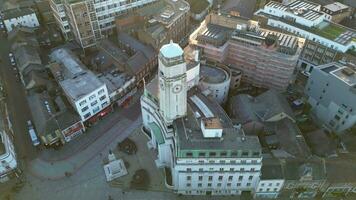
[172, 82]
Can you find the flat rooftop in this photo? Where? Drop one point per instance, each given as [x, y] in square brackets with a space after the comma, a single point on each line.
[190, 136]
[213, 74]
[16, 12]
[336, 6]
[170, 12]
[304, 9]
[114, 80]
[345, 73]
[326, 29]
[75, 79]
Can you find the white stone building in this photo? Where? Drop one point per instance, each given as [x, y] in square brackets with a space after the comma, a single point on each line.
[305, 19]
[20, 17]
[7, 156]
[331, 91]
[83, 89]
[197, 144]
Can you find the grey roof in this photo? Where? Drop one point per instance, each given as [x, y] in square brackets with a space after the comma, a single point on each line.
[136, 45]
[341, 172]
[252, 113]
[75, 79]
[111, 50]
[46, 118]
[296, 170]
[16, 12]
[264, 106]
[213, 74]
[137, 62]
[26, 55]
[271, 169]
[190, 136]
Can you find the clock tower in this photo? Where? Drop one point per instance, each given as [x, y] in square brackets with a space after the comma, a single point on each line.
[172, 82]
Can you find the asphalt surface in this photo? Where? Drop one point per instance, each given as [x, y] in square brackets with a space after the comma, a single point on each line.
[18, 108]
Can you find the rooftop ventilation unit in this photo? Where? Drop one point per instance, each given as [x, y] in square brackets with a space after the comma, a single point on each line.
[348, 71]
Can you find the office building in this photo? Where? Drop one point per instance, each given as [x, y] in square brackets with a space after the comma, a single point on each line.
[19, 17]
[199, 148]
[306, 20]
[331, 93]
[266, 58]
[87, 21]
[83, 89]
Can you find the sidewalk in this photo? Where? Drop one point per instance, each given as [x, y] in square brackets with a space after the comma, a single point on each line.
[92, 134]
[57, 170]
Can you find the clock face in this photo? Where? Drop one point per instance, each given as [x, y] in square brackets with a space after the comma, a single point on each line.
[177, 88]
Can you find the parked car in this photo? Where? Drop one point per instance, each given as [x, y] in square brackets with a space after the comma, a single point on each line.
[31, 131]
[12, 59]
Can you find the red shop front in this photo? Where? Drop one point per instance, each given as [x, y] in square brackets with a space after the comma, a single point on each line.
[100, 115]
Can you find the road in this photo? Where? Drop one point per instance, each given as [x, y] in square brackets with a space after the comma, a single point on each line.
[18, 108]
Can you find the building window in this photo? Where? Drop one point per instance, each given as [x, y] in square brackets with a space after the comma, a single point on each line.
[220, 178]
[277, 184]
[212, 154]
[189, 169]
[200, 185]
[101, 91]
[244, 154]
[231, 169]
[104, 104]
[219, 184]
[87, 115]
[92, 97]
[223, 154]
[228, 184]
[189, 154]
[221, 169]
[209, 184]
[238, 184]
[82, 103]
[248, 184]
[250, 178]
[189, 184]
[94, 103]
[230, 178]
[96, 109]
[102, 97]
[85, 108]
[189, 178]
[200, 169]
[201, 154]
[200, 178]
[210, 178]
[240, 178]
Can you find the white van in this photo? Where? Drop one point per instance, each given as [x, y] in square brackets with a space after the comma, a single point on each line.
[32, 133]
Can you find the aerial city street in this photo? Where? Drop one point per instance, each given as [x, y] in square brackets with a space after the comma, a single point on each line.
[177, 99]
